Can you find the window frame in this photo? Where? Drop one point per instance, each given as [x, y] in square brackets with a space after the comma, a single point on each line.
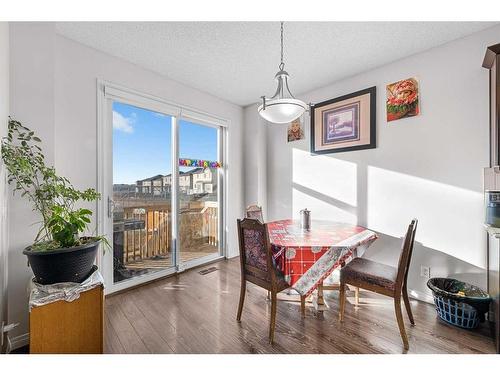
[107, 93]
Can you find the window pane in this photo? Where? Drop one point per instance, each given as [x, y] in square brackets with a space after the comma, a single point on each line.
[198, 191]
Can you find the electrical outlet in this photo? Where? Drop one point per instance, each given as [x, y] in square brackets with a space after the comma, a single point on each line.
[425, 272]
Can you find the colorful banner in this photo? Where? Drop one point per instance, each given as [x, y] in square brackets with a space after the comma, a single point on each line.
[199, 163]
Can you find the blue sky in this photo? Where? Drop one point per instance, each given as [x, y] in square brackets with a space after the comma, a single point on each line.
[142, 143]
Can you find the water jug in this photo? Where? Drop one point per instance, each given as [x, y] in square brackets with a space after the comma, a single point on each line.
[492, 208]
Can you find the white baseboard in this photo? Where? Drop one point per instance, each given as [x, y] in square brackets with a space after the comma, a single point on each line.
[420, 296]
[18, 342]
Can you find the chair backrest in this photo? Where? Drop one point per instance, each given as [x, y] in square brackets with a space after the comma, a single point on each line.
[254, 212]
[406, 253]
[255, 252]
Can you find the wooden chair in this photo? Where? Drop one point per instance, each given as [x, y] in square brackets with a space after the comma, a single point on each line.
[383, 279]
[257, 266]
[254, 212]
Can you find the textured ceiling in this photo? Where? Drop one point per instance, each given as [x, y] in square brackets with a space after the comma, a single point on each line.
[237, 61]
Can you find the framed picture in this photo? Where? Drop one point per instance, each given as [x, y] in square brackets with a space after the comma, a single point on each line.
[295, 130]
[402, 99]
[347, 123]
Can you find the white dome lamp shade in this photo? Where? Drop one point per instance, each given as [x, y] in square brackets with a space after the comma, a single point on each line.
[282, 108]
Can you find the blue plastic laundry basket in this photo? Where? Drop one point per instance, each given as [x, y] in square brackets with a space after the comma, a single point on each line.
[459, 303]
[456, 313]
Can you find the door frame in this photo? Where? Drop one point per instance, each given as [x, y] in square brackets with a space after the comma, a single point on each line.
[107, 93]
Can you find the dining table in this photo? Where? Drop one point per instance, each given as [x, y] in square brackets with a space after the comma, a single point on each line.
[305, 258]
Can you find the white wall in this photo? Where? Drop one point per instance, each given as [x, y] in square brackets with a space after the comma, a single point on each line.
[255, 156]
[53, 90]
[4, 113]
[32, 103]
[429, 167]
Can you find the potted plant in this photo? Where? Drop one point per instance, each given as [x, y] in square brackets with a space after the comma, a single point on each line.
[58, 253]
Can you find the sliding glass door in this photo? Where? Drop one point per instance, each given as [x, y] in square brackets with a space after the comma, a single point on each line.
[161, 176]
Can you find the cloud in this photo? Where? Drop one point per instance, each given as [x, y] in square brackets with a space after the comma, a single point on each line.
[158, 114]
[122, 123]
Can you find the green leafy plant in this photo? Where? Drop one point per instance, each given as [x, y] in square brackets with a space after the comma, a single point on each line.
[53, 196]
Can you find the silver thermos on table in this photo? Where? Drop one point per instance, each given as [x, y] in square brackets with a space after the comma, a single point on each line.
[305, 219]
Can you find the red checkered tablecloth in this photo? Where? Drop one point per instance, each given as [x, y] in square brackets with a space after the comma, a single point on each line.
[306, 258]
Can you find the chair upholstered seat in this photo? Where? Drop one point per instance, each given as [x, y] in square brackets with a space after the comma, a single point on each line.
[370, 272]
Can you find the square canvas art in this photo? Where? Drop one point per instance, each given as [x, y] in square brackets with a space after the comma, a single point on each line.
[402, 99]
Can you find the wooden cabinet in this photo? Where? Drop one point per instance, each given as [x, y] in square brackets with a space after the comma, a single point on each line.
[69, 327]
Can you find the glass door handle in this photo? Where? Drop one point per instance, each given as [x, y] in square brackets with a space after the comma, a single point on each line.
[111, 207]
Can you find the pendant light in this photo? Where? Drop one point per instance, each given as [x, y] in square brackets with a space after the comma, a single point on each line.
[282, 107]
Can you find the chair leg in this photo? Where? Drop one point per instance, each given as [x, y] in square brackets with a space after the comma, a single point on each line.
[408, 306]
[341, 301]
[303, 306]
[242, 299]
[272, 324]
[356, 296]
[401, 324]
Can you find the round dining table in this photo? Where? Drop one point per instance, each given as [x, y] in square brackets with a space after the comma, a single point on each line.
[307, 257]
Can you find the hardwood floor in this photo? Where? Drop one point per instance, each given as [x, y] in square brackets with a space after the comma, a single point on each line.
[166, 261]
[193, 313]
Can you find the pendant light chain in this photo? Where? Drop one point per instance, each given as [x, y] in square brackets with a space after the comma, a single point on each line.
[282, 64]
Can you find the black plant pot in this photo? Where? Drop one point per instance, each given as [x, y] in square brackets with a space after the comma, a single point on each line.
[72, 264]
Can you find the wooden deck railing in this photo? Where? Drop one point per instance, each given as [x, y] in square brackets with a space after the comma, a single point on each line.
[155, 239]
[211, 224]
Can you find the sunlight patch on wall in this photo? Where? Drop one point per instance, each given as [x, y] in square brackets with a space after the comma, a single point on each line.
[445, 213]
[320, 210]
[326, 175]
